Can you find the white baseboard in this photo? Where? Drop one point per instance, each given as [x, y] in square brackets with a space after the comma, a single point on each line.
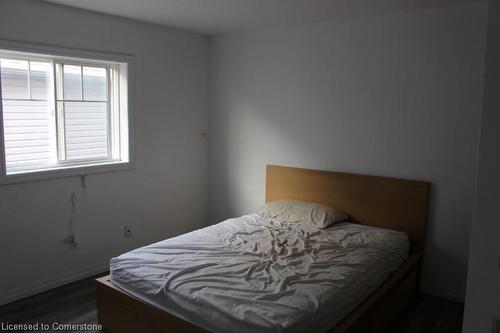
[55, 282]
[445, 292]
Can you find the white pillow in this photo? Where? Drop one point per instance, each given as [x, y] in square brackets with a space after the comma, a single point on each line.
[294, 211]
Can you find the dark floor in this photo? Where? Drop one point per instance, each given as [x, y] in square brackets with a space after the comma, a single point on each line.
[427, 314]
[75, 303]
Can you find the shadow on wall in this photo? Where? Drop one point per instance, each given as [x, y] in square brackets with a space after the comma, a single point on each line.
[362, 97]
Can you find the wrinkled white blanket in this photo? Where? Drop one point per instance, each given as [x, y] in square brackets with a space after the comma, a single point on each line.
[252, 274]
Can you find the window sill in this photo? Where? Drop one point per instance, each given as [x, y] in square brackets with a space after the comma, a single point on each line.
[65, 172]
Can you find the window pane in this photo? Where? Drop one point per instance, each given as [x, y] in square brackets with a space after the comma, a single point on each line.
[40, 79]
[86, 127]
[14, 76]
[94, 84]
[29, 135]
[72, 78]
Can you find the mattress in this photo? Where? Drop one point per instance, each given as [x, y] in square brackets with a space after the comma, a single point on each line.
[253, 274]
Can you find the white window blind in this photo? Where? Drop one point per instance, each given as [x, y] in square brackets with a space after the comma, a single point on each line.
[60, 112]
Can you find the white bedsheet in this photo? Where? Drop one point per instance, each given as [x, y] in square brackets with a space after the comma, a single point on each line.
[252, 274]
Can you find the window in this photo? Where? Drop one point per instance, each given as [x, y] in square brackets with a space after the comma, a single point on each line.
[62, 113]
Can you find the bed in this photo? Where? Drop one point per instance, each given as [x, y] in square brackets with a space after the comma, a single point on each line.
[237, 275]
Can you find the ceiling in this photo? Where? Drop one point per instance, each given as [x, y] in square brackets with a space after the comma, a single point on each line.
[222, 16]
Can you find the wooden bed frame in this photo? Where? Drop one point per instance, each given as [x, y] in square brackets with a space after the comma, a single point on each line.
[377, 201]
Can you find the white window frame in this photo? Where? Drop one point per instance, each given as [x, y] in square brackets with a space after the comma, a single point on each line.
[69, 169]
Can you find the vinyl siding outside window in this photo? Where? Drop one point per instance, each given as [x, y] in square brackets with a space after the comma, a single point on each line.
[61, 112]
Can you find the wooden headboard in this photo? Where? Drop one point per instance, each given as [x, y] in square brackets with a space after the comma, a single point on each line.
[392, 203]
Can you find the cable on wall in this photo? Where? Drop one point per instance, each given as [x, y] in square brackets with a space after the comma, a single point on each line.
[83, 179]
[72, 238]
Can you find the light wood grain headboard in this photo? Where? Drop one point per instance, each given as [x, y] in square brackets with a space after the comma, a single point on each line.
[392, 203]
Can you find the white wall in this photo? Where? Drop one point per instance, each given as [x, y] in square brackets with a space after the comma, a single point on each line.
[394, 93]
[483, 284]
[165, 194]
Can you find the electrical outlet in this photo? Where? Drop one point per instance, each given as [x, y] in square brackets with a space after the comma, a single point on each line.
[127, 231]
